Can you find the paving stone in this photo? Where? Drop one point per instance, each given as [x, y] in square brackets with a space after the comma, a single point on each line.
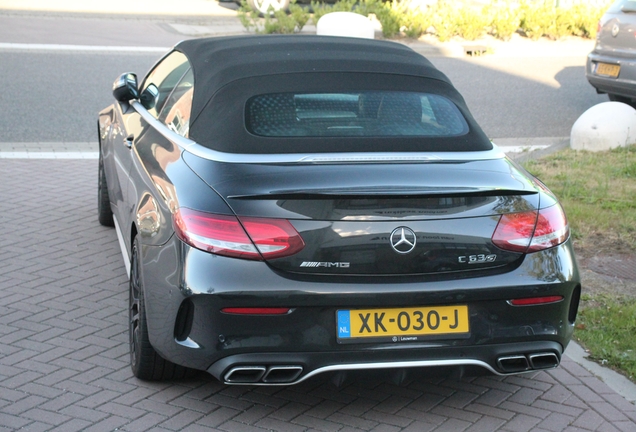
[387, 418]
[72, 426]
[555, 422]
[358, 406]
[521, 423]
[181, 420]
[273, 424]
[454, 425]
[590, 420]
[47, 417]
[144, 423]
[316, 423]
[324, 409]
[489, 410]
[557, 394]
[253, 414]
[24, 405]
[486, 424]
[558, 408]
[218, 417]
[353, 421]
[419, 426]
[608, 411]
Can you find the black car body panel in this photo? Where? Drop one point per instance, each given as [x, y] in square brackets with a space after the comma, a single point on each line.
[392, 238]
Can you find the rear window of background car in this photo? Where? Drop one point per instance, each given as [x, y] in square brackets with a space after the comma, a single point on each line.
[618, 6]
[372, 114]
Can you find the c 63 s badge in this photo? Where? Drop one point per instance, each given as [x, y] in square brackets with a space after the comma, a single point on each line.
[476, 259]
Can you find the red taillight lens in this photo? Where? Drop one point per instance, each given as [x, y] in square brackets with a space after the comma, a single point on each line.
[514, 231]
[552, 229]
[531, 231]
[226, 235]
[274, 238]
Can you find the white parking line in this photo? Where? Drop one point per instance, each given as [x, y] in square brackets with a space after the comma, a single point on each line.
[58, 47]
[48, 155]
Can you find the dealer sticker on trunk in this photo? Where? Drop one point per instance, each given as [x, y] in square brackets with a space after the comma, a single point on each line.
[402, 324]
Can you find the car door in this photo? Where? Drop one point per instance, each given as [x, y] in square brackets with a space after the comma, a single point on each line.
[138, 138]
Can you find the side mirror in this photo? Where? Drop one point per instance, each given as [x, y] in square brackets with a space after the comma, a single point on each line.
[125, 87]
[149, 96]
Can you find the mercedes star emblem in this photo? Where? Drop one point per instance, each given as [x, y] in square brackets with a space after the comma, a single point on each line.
[403, 240]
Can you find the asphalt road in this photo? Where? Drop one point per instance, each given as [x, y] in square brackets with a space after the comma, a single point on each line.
[53, 95]
[514, 97]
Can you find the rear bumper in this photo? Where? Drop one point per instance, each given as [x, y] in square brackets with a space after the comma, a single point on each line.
[185, 290]
[624, 85]
[293, 368]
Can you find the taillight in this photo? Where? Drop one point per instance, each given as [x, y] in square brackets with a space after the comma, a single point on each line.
[531, 231]
[249, 238]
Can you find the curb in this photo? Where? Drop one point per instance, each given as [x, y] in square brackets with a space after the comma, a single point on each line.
[617, 382]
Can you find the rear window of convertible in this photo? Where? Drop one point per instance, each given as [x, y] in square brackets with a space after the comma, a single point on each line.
[366, 114]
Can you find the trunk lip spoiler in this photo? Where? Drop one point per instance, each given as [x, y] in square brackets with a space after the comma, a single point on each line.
[320, 194]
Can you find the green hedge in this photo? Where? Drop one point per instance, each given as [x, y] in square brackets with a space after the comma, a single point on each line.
[447, 18]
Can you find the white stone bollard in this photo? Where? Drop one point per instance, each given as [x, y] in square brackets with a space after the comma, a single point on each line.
[604, 126]
[345, 24]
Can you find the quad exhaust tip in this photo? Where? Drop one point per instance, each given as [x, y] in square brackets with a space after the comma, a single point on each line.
[277, 374]
[523, 363]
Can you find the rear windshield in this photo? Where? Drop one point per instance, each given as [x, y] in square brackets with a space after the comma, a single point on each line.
[365, 114]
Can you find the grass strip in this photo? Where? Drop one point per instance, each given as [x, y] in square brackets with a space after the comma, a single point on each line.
[598, 193]
[607, 328]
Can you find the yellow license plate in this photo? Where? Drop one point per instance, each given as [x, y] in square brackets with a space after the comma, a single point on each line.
[402, 324]
[606, 69]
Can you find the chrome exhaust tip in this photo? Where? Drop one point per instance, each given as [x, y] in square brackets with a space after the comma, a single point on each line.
[543, 360]
[282, 374]
[513, 364]
[244, 374]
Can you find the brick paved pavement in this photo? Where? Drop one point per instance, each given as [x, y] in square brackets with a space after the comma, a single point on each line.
[64, 353]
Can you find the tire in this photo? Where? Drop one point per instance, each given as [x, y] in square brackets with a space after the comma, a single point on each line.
[267, 7]
[104, 213]
[145, 363]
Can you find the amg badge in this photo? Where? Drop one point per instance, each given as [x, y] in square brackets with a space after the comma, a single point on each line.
[324, 264]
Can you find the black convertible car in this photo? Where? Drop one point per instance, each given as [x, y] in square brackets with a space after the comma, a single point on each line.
[292, 205]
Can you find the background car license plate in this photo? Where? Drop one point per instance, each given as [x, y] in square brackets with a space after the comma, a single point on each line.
[401, 324]
[606, 69]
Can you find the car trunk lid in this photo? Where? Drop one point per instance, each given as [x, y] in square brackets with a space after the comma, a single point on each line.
[424, 219]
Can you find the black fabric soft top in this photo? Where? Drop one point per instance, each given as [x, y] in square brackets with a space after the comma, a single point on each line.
[229, 70]
[218, 61]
